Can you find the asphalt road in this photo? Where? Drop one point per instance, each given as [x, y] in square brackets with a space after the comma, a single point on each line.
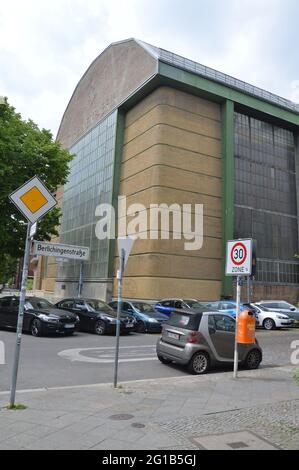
[88, 359]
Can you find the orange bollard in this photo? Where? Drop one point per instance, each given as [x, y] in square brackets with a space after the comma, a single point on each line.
[246, 327]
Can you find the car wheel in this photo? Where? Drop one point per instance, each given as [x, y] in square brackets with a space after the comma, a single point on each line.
[253, 359]
[199, 364]
[36, 328]
[140, 328]
[269, 324]
[163, 359]
[100, 328]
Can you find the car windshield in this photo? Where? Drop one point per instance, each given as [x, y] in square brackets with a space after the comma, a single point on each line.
[285, 305]
[210, 305]
[37, 303]
[188, 322]
[263, 308]
[143, 307]
[194, 303]
[96, 305]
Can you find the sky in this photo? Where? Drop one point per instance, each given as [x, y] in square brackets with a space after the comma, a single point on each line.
[46, 46]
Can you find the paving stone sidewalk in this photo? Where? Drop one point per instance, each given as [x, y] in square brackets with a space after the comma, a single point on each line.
[259, 410]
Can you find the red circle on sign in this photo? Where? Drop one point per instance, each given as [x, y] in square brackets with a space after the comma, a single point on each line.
[241, 245]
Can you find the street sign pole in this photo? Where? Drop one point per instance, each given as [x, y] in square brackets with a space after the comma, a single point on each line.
[248, 289]
[20, 317]
[238, 299]
[80, 284]
[119, 302]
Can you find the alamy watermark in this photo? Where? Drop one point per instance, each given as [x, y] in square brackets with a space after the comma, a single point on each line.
[158, 221]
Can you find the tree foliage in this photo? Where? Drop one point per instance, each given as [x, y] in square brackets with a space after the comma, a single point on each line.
[25, 151]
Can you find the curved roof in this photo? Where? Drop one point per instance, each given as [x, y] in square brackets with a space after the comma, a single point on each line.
[120, 70]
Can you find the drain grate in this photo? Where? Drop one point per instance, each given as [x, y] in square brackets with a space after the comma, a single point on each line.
[241, 440]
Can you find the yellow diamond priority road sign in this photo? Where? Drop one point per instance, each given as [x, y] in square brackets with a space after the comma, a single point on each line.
[33, 199]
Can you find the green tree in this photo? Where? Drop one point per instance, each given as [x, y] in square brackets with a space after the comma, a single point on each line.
[25, 151]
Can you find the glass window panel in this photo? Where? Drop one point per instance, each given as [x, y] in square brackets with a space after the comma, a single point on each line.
[265, 205]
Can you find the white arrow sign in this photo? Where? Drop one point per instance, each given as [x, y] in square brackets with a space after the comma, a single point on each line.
[126, 244]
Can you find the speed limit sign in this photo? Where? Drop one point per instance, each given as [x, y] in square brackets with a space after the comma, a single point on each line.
[239, 257]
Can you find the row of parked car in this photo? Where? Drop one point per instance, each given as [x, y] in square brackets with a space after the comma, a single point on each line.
[90, 315]
[269, 314]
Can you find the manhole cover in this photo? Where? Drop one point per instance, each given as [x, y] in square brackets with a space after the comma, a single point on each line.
[138, 425]
[240, 440]
[121, 417]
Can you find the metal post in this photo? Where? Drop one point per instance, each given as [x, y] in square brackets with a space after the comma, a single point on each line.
[119, 302]
[20, 317]
[248, 289]
[80, 284]
[236, 358]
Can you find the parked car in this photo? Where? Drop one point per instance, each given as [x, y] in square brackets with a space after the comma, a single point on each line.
[200, 340]
[96, 316]
[147, 319]
[225, 306]
[268, 319]
[40, 316]
[281, 306]
[166, 306]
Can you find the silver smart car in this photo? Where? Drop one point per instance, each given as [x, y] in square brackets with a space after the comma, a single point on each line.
[201, 339]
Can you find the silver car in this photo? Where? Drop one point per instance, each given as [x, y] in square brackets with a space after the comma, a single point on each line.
[200, 340]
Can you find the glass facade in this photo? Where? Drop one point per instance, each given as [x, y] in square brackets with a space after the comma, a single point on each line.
[90, 183]
[265, 196]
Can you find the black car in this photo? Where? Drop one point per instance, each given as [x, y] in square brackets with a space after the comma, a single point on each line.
[40, 316]
[96, 316]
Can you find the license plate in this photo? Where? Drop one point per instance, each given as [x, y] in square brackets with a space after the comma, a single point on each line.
[69, 325]
[173, 335]
[130, 325]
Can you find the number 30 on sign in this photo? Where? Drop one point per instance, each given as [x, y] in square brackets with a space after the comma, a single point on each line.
[239, 258]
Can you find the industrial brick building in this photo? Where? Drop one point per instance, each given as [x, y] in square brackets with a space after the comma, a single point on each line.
[156, 127]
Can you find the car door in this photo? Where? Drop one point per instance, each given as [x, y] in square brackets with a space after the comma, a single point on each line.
[222, 334]
[87, 318]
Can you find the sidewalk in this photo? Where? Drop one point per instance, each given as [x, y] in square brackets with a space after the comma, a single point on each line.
[259, 410]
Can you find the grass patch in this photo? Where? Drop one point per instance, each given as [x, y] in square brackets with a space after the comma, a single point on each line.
[296, 377]
[17, 406]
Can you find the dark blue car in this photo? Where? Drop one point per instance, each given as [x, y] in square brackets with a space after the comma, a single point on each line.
[148, 319]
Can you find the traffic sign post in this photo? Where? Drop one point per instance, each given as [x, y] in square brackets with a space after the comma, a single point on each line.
[33, 200]
[80, 284]
[125, 245]
[33, 230]
[238, 263]
[20, 317]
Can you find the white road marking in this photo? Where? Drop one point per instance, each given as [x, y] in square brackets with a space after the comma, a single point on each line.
[105, 355]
